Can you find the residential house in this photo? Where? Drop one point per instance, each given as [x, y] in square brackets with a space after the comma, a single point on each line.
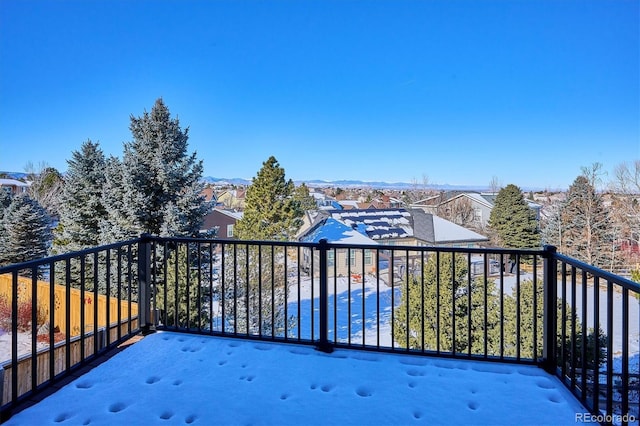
[232, 199]
[376, 227]
[341, 262]
[13, 186]
[386, 202]
[222, 221]
[411, 227]
[471, 209]
[323, 201]
[209, 195]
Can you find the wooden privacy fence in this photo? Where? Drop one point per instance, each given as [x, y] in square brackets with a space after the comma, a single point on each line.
[43, 295]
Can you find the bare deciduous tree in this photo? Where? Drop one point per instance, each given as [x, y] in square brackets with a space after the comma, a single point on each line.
[625, 189]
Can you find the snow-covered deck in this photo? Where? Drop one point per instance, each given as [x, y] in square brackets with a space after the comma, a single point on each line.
[171, 378]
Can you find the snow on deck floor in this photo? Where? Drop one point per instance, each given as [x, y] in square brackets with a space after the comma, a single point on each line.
[171, 378]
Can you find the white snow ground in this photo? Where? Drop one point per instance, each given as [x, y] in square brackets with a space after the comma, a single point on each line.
[171, 378]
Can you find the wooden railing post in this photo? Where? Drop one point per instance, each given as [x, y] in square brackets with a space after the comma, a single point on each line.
[550, 311]
[323, 344]
[144, 284]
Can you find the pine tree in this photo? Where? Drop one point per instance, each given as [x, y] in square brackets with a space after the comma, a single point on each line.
[444, 299]
[586, 225]
[118, 225]
[301, 194]
[551, 224]
[82, 209]
[513, 222]
[156, 188]
[254, 290]
[271, 212]
[46, 187]
[183, 301]
[526, 331]
[25, 231]
[5, 201]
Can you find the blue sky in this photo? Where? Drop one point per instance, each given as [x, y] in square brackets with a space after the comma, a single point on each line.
[458, 92]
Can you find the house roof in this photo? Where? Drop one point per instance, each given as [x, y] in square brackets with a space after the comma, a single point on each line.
[233, 214]
[436, 230]
[335, 231]
[485, 200]
[378, 224]
[449, 232]
[383, 224]
[12, 182]
[348, 204]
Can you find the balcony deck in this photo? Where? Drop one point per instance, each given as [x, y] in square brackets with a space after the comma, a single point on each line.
[552, 341]
[170, 377]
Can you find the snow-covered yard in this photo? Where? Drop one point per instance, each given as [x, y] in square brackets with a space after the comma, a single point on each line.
[24, 346]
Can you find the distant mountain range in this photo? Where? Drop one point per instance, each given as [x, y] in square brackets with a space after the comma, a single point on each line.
[15, 175]
[345, 184]
[316, 183]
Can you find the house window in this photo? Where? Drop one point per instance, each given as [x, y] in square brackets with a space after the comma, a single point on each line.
[351, 257]
[477, 215]
[230, 231]
[331, 257]
[368, 258]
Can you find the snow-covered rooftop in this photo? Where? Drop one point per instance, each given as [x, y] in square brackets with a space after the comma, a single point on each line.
[231, 213]
[172, 378]
[12, 182]
[378, 223]
[337, 232]
[446, 231]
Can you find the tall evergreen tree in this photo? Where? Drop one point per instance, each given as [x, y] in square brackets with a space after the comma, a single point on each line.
[156, 188]
[586, 225]
[254, 290]
[551, 223]
[25, 231]
[183, 301]
[522, 327]
[302, 195]
[5, 201]
[271, 211]
[82, 209]
[513, 221]
[443, 301]
[46, 187]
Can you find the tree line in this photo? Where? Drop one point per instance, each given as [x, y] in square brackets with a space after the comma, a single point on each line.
[155, 188]
[437, 307]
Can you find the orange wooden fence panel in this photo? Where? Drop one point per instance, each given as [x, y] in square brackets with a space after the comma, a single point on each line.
[60, 298]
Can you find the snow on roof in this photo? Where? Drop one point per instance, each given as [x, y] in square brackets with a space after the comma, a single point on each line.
[318, 195]
[378, 223]
[233, 214]
[171, 378]
[336, 232]
[446, 231]
[12, 182]
[478, 198]
[349, 203]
